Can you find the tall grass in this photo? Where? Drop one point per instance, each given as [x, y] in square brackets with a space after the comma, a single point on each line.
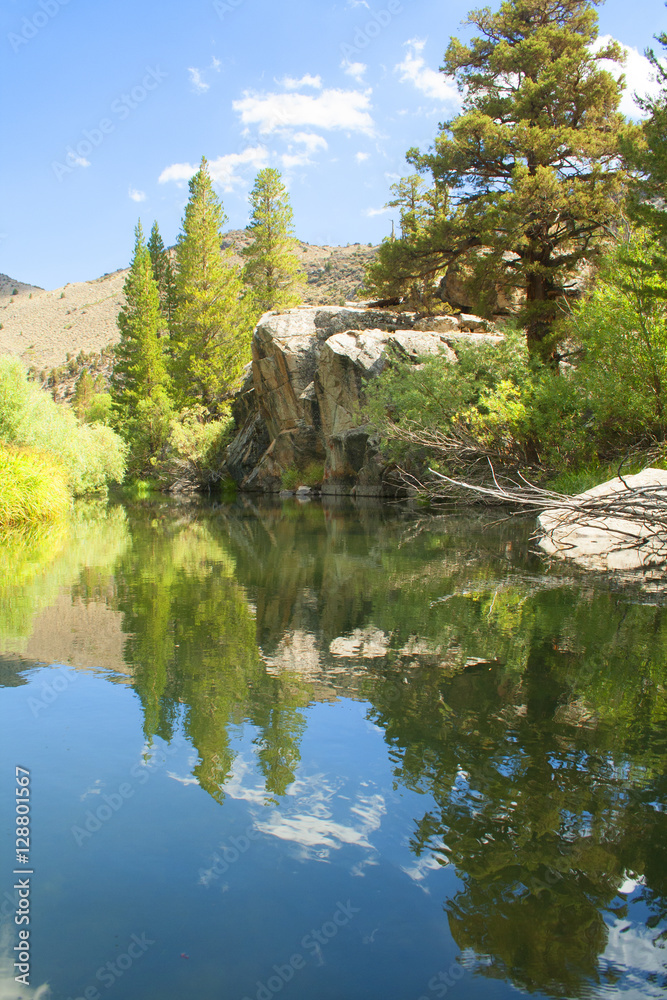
[92, 454]
[33, 486]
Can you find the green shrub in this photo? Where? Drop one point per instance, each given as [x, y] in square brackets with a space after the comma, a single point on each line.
[313, 474]
[92, 454]
[99, 409]
[487, 390]
[196, 446]
[33, 486]
[290, 479]
[147, 433]
[620, 383]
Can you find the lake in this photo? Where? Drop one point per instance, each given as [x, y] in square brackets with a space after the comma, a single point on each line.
[326, 752]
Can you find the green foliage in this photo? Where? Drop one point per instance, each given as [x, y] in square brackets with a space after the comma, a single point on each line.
[90, 402]
[140, 366]
[531, 162]
[610, 399]
[140, 382]
[313, 474]
[485, 390]
[92, 454]
[163, 272]
[272, 271]
[33, 486]
[647, 155]
[147, 432]
[617, 394]
[290, 479]
[100, 409]
[400, 268]
[196, 445]
[212, 325]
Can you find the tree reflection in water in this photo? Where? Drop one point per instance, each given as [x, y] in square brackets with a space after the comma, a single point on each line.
[531, 708]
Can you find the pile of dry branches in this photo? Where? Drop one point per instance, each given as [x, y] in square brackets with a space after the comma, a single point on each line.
[622, 508]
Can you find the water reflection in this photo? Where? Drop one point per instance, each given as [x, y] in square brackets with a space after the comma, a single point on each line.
[529, 708]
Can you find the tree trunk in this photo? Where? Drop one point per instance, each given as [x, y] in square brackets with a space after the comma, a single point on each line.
[540, 310]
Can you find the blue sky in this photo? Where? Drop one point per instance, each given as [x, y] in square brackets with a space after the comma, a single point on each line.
[108, 105]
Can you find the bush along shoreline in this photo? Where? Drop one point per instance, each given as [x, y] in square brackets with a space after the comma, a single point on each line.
[47, 456]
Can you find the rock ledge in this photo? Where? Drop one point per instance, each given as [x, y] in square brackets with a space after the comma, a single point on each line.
[301, 406]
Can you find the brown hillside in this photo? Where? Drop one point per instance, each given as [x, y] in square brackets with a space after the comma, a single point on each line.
[47, 328]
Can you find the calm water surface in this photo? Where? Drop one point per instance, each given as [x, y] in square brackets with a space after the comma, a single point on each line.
[329, 753]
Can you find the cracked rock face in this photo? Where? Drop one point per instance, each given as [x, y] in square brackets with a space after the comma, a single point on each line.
[302, 404]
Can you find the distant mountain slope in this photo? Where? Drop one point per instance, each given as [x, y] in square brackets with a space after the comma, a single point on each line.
[8, 286]
[45, 327]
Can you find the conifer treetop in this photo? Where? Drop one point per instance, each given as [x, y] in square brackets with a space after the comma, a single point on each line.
[272, 271]
[532, 162]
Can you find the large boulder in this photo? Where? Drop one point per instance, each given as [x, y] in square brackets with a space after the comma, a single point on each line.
[301, 407]
[624, 544]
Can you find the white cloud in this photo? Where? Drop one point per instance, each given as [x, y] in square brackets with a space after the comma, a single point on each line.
[290, 83]
[372, 212]
[223, 170]
[354, 69]
[177, 172]
[310, 140]
[307, 818]
[361, 157]
[332, 109]
[639, 75]
[414, 70]
[197, 81]
[78, 161]
[290, 160]
[137, 195]
[216, 64]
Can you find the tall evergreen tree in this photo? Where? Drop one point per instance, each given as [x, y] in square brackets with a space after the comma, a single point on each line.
[140, 366]
[531, 161]
[163, 272]
[647, 157]
[421, 207]
[211, 326]
[272, 272]
[140, 381]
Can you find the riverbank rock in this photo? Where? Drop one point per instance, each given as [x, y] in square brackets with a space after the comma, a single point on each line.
[300, 410]
[611, 543]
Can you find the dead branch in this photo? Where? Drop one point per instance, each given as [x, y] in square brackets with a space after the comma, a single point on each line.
[633, 513]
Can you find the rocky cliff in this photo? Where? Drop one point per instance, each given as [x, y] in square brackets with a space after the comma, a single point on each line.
[300, 413]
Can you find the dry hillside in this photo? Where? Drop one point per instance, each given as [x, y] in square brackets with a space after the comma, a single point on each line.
[48, 328]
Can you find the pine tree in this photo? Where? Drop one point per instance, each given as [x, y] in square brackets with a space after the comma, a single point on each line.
[421, 208]
[85, 391]
[531, 162]
[647, 157]
[163, 272]
[139, 367]
[211, 326]
[272, 272]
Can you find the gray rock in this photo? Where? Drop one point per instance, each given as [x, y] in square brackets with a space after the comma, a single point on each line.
[609, 543]
[303, 400]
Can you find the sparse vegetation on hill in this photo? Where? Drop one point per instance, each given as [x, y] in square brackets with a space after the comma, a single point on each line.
[45, 329]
